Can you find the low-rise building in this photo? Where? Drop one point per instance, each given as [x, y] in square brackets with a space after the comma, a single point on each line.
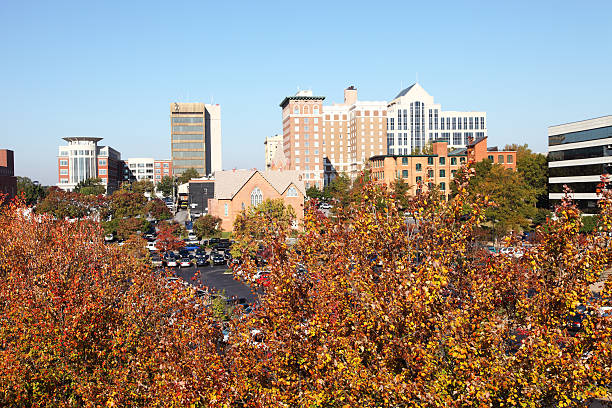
[439, 168]
[236, 190]
[8, 181]
[148, 168]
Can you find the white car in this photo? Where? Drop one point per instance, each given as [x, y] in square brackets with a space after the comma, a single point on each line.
[171, 262]
[325, 206]
[109, 237]
[151, 246]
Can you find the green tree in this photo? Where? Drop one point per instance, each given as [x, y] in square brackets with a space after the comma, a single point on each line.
[124, 204]
[188, 175]
[314, 192]
[166, 186]
[90, 186]
[32, 192]
[339, 189]
[514, 199]
[207, 226]
[533, 167]
[143, 186]
[401, 191]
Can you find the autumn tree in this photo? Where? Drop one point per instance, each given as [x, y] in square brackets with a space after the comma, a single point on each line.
[368, 311]
[157, 209]
[533, 167]
[401, 191]
[88, 324]
[126, 204]
[166, 186]
[64, 204]
[252, 225]
[207, 226]
[168, 237]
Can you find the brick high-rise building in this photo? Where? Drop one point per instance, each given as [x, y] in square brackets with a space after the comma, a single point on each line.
[195, 137]
[323, 141]
[8, 181]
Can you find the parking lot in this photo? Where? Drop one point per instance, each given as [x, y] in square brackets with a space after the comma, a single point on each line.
[215, 277]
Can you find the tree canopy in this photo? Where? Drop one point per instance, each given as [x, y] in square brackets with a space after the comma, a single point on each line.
[187, 175]
[32, 192]
[90, 186]
[166, 186]
[207, 226]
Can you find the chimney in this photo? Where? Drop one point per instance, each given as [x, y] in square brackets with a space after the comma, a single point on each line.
[350, 95]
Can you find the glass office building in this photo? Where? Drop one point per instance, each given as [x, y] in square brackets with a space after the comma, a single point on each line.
[578, 154]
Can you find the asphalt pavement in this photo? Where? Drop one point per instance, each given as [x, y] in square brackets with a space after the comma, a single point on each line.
[215, 277]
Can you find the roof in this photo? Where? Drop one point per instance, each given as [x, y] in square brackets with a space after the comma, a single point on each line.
[462, 151]
[82, 138]
[229, 182]
[405, 91]
[299, 98]
[476, 141]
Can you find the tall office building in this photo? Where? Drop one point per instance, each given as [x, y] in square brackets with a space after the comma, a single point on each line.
[83, 159]
[272, 144]
[578, 154]
[414, 120]
[323, 141]
[195, 137]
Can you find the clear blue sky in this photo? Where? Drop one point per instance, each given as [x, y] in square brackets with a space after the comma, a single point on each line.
[111, 68]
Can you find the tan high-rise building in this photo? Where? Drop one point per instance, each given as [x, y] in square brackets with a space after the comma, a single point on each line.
[323, 141]
[195, 130]
[272, 144]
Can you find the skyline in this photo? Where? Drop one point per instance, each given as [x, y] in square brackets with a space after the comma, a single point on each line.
[110, 70]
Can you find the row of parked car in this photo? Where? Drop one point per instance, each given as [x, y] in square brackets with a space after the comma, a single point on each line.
[190, 256]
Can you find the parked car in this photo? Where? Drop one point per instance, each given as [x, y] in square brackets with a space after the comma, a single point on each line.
[171, 261]
[200, 260]
[156, 260]
[109, 238]
[185, 262]
[325, 206]
[217, 259]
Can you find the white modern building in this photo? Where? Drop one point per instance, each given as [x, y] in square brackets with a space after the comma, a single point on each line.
[272, 145]
[83, 159]
[578, 154]
[414, 119]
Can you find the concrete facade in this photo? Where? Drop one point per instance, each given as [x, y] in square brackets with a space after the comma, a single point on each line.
[147, 169]
[272, 144]
[8, 181]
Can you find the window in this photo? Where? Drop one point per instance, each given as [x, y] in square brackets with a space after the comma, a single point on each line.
[226, 209]
[462, 160]
[165, 165]
[63, 162]
[490, 157]
[430, 161]
[292, 192]
[443, 186]
[404, 173]
[296, 110]
[256, 197]
[102, 171]
[500, 158]
[187, 129]
[453, 161]
[242, 206]
[315, 110]
[404, 160]
[510, 159]
[305, 109]
[430, 173]
[102, 162]
[64, 172]
[419, 179]
[442, 173]
[418, 167]
[442, 160]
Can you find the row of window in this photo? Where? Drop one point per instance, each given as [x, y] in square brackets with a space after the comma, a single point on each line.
[181, 137]
[179, 119]
[306, 110]
[500, 158]
[180, 128]
[188, 145]
[583, 153]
